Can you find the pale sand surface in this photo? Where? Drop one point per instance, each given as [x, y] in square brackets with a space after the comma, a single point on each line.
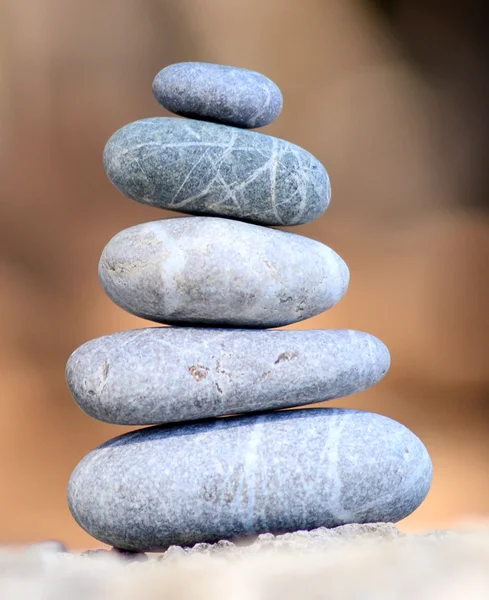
[364, 562]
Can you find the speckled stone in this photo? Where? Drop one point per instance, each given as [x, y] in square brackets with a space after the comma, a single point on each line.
[274, 472]
[219, 93]
[211, 271]
[203, 168]
[168, 374]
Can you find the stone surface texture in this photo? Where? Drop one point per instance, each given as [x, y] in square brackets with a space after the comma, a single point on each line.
[219, 93]
[203, 168]
[172, 374]
[348, 563]
[219, 272]
[223, 478]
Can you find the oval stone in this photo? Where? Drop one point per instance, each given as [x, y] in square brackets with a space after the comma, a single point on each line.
[222, 478]
[172, 374]
[211, 271]
[219, 93]
[201, 168]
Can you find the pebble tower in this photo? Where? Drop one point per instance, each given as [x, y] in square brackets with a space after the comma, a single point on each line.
[222, 458]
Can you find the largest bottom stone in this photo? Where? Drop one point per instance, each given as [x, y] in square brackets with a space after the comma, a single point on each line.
[229, 477]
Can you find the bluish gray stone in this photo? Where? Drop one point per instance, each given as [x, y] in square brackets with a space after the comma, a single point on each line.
[219, 93]
[202, 168]
[273, 472]
[172, 374]
[211, 271]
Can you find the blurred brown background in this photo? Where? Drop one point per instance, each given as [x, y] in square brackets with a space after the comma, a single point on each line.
[390, 95]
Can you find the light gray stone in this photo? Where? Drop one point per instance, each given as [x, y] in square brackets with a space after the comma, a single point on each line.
[172, 374]
[211, 271]
[219, 93]
[223, 478]
[203, 168]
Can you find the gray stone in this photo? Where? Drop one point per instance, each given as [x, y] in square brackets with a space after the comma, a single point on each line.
[223, 478]
[202, 168]
[211, 271]
[169, 374]
[219, 93]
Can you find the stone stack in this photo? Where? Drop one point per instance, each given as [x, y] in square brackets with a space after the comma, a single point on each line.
[222, 461]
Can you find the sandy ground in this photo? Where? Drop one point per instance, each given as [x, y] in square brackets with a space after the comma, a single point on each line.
[367, 562]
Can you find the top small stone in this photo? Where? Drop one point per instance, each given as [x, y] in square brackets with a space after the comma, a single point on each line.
[218, 93]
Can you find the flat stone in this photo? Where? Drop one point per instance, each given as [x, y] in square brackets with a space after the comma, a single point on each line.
[229, 477]
[211, 271]
[219, 93]
[203, 168]
[168, 374]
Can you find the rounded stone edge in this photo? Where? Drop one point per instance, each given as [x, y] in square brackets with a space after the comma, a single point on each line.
[84, 352]
[110, 158]
[425, 476]
[269, 117]
[112, 289]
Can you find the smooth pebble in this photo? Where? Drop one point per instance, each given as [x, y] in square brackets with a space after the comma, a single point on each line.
[172, 374]
[234, 476]
[202, 168]
[219, 93]
[219, 272]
